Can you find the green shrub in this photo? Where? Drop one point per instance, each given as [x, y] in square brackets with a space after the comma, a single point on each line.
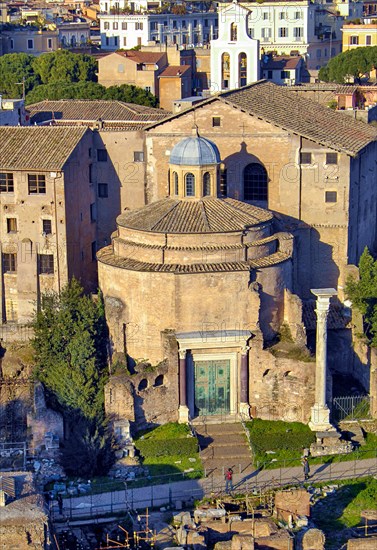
[168, 447]
[272, 435]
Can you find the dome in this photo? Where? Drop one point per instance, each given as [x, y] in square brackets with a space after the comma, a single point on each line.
[195, 151]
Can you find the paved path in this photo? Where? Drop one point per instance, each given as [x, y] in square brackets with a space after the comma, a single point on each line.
[188, 491]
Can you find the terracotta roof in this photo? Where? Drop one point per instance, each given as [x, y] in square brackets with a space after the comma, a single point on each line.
[302, 116]
[295, 114]
[208, 215]
[142, 57]
[281, 62]
[93, 110]
[175, 70]
[350, 89]
[42, 148]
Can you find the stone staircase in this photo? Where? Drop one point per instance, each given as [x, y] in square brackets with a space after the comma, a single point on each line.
[222, 446]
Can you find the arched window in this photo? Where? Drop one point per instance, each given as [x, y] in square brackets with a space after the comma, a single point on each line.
[159, 381]
[255, 182]
[225, 70]
[175, 183]
[73, 41]
[242, 69]
[82, 39]
[190, 185]
[206, 184]
[233, 32]
[143, 384]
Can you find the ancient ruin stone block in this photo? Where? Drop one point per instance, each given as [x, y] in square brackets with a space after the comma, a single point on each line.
[242, 542]
[295, 502]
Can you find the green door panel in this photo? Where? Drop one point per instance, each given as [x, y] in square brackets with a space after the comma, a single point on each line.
[212, 386]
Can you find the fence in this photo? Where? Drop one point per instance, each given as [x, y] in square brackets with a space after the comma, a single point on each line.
[353, 407]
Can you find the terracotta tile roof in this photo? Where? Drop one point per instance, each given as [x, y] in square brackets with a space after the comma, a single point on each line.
[142, 57]
[304, 117]
[175, 70]
[42, 148]
[92, 110]
[295, 114]
[209, 215]
[281, 62]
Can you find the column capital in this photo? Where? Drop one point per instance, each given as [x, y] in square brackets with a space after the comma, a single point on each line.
[245, 350]
[182, 353]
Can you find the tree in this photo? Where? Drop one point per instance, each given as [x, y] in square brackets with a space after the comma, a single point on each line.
[71, 355]
[13, 68]
[363, 294]
[65, 66]
[91, 90]
[351, 63]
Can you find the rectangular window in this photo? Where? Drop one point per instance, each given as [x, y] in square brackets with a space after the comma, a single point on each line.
[266, 32]
[90, 167]
[331, 196]
[47, 227]
[93, 212]
[147, 88]
[216, 121]
[46, 264]
[6, 183]
[139, 26]
[269, 74]
[368, 40]
[106, 25]
[305, 158]
[283, 32]
[11, 225]
[183, 23]
[94, 251]
[284, 74]
[266, 16]
[115, 41]
[154, 26]
[124, 41]
[36, 184]
[124, 26]
[30, 44]
[9, 263]
[49, 43]
[174, 24]
[206, 22]
[11, 44]
[331, 158]
[354, 40]
[103, 190]
[90, 152]
[138, 156]
[223, 182]
[195, 23]
[298, 15]
[101, 155]
[298, 32]
[281, 15]
[115, 26]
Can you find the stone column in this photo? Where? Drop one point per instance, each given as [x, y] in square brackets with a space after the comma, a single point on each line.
[320, 413]
[244, 383]
[183, 411]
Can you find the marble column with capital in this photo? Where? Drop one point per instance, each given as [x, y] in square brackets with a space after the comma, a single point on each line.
[183, 411]
[320, 413]
[244, 383]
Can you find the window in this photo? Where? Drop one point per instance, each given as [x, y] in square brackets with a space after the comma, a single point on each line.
[206, 22]
[305, 158]
[368, 40]
[354, 40]
[175, 183]
[121, 66]
[6, 183]
[115, 41]
[138, 156]
[11, 225]
[147, 88]
[46, 264]
[93, 212]
[94, 251]
[223, 182]
[124, 26]
[266, 32]
[284, 74]
[11, 44]
[255, 182]
[47, 227]
[103, 190]
[216, 121]
[319, 53]
[190, 185]
[233, 32]
[298, 15]
[90, 167]
[124, 42]
[36, 183]
[298, 32]
[269, 74]
[30, 44]
[331, 158]
[331, 196]
[9, 263]
[154, 26]
[283, 32]
[101, 155]
[106, 25]
[139, 26]
[174, 24]
[206, 184]
[115, 26]
[281, 15]
[266, 16]
[49, 43]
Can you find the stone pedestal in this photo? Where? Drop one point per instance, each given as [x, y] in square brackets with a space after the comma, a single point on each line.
[320, 413]
[183, 414]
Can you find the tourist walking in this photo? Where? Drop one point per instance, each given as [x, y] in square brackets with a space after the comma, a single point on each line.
[306, 467]
[229, 481]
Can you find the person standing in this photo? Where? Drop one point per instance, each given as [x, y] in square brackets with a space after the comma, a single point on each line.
[229, 481]
[306, 467]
